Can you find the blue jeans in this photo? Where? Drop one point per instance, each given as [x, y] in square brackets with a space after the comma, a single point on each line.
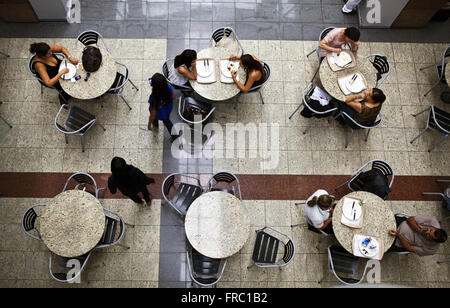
[351, 113]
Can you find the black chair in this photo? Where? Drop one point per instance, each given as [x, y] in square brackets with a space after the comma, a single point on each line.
[83, 180]
[4, 120]
[261, 83]
[229, 179]
[61, 267]
[204, 271]
[265, 252]
[355, 183]
[114, 230]
[78, 122]
[120, 82]
[437, 119]
[322, 35]
[344, 265]
[445, 195]
[382, 66]
[184, 194]
[90, 37]
[440, 68]
[306, 102]
[33, 73]
[29, 221]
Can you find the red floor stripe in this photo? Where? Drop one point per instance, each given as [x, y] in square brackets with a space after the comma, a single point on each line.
[253, 186]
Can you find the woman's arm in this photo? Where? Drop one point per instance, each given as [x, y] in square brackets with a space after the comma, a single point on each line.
[42, 71]
[248, 85]
[151, 118]
[325, 223]
[323, 44]
[61, 49]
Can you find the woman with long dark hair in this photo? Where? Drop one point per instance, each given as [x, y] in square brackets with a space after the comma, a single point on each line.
[184, 68]
[161, 103]
[47, 64]
[254, 69]
[363, 108]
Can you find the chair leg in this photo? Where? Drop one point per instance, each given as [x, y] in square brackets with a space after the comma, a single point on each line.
[253, 264]
[129, 225]
[260, 95]
[124, 101]
[310, 125]
[438, 143]
[67, 140]
[349, 138]
[10, 126]
[299, 106]
[443, 261]
[367, 135]
[104, 129]
[432, 88]
[82, 143]
[423, 68]
[133, 85]
[6, 55]
[121, 245]
[341, 185]
[310, 53]
[297, 225]
[416, 114]
[420, 134]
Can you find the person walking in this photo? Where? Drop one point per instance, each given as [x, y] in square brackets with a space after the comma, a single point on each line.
[129, 180]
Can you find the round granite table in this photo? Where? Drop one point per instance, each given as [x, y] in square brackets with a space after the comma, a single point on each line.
[72, 223]
[377, 221]
[99, 82]
[217, 224]
[217, 91]
[329, 78]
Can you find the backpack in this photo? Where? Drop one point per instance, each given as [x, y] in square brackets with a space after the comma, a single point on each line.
[376, 182]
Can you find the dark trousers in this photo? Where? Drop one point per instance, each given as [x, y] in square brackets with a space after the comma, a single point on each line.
[135, 197]
[348, 110]
[168, 124]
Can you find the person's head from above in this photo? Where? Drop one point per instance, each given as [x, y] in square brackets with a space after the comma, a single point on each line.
[376, 96]
[118, 164]
[323, 201]
[434, 234]
[160, 89]
[42, 50]
[351, 35]
[250, 64]
[186, 58]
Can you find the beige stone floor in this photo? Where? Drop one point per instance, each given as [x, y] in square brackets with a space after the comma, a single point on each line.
[34, 145]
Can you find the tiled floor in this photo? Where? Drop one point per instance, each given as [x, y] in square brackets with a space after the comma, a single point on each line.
[142, 34]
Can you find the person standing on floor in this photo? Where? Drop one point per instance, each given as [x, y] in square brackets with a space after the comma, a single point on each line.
[161, 104]
[129, 180]
[350, 6]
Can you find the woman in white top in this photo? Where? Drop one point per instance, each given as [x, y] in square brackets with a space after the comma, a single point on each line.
[319, 210]
[184, 68]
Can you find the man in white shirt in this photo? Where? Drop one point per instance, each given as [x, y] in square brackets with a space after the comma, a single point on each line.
[350, 6]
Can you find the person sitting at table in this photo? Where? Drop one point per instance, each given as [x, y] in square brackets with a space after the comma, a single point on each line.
[418, 234]
[184, 68]
[46, 65]
[161, 103]
[337, 37]
[319, 210]
[129, 180]
[254, 69]
[363, 108]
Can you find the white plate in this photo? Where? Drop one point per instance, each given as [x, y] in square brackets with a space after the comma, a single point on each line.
[357, 85]
[72, 70]
[343, 59]
[371, 249]
[204, 71]
[351, 212]
[225, 64]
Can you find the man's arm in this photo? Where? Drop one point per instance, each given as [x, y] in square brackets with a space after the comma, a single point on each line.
[402, 240]
[413, 224]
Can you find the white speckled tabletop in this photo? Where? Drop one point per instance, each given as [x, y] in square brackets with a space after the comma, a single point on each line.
[99, 82]
[217, 225]
[329, 79]
[377, 221]
[72, 223]
[217, 91]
